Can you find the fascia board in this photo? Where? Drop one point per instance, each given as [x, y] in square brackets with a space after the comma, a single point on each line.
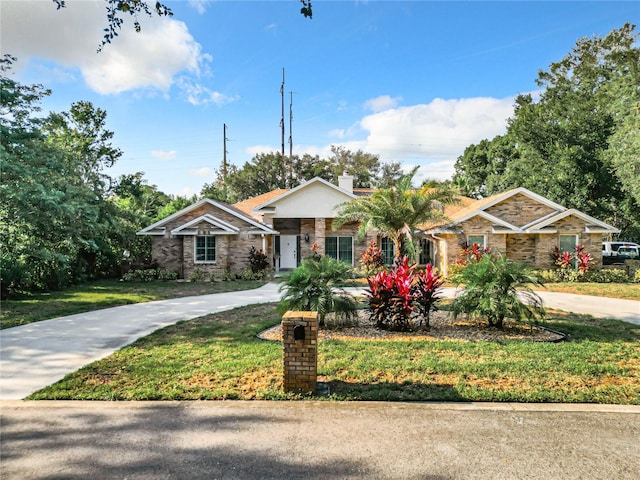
[577, 213]
[173, 216]
[303, 185]
[229, 229]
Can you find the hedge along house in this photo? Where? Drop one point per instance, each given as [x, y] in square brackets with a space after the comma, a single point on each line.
[208, 235]
[523, 225]
[303, 219]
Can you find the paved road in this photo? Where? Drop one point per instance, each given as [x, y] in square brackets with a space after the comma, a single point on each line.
[39, 354]
[317, 440]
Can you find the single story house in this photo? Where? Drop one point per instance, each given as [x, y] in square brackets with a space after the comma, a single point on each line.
[521, 224]
[289, 224]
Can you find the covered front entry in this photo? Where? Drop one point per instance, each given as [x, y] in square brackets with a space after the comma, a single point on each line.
[288, 251]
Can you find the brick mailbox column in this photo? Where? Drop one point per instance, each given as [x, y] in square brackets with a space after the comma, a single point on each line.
[300, 351]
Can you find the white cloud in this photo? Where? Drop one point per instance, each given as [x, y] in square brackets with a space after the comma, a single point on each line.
[199, 6]
[70, 36]
[197, 94]
[439, 130]
[430, 135]
[337, 133]
[383, 102]
[164, 154]
[202, 172]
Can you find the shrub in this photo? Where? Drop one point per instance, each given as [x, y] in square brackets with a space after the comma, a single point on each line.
[148, 275]
[636, 276]
[372, 259]
[258, 261]
[164, 274]
[197, 276]
[596, 276]
[613, 275]
[495, 288]
[397, 295]
[316, 286]
[426, 292]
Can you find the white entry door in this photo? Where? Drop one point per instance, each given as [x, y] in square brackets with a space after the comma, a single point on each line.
[288, 251]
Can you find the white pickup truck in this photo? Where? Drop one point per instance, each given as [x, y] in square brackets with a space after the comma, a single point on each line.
[618, 252]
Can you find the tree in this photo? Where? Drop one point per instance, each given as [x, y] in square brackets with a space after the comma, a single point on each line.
[316, 286]
[56, 226]
[118, 9]
[396, 212]
[496, 288]
[578, 143]
[265, 172]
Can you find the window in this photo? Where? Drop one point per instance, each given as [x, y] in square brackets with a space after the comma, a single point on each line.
[568, 243]
[478, 239]
[388, 249]
[340, 248]
[205, 249]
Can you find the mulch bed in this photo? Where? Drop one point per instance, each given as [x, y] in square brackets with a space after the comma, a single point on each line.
[443, 327]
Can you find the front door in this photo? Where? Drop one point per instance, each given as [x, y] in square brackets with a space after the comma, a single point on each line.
[288, 251]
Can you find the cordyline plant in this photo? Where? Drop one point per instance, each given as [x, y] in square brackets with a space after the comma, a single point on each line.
[579, 258]
[372, 259]
[395, 296]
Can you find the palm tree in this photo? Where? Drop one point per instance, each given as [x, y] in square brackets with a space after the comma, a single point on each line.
[397, 211]
[495, 288]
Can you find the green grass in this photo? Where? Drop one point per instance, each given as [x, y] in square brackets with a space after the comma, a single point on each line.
[629, 291]
[104, 294]
[219, 357]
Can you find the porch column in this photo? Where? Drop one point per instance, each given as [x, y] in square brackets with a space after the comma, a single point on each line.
[319, 234]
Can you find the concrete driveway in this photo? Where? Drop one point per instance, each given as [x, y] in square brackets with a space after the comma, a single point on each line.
[38, 354]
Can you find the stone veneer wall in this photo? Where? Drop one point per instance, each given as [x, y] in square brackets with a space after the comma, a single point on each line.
[232, 251]
[519, 210]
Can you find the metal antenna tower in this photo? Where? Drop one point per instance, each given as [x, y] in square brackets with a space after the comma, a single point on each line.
[282, 118]
[225, 165]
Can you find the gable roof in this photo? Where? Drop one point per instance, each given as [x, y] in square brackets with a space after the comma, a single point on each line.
[159, 228]
[479, 207]
[247, 206]
[220, 227]
[270, 204]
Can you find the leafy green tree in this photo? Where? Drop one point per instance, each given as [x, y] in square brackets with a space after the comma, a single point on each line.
[265, 172]
[174, 206]
[578, 143]
[56, 225]
[396, 212]
[316, 286]
[496, 288]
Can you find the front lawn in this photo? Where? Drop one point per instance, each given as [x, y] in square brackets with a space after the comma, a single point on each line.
[219, 357]
[105, 294]
[630, 291]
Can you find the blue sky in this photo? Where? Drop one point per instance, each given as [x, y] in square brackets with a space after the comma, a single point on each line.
[412, 81]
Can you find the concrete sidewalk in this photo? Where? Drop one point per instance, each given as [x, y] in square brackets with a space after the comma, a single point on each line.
[38, 354]
[317, 440]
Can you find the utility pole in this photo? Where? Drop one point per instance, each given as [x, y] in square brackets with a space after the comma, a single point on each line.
[282, 118]
[225, 166]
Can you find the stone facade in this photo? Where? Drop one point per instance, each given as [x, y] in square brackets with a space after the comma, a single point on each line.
[176, 252]
[535, 249]
[519, 210]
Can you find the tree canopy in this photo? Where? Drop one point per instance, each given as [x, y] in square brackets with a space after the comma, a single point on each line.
[579, 142]
[62, 218]
[397, 211]
[270, 171]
